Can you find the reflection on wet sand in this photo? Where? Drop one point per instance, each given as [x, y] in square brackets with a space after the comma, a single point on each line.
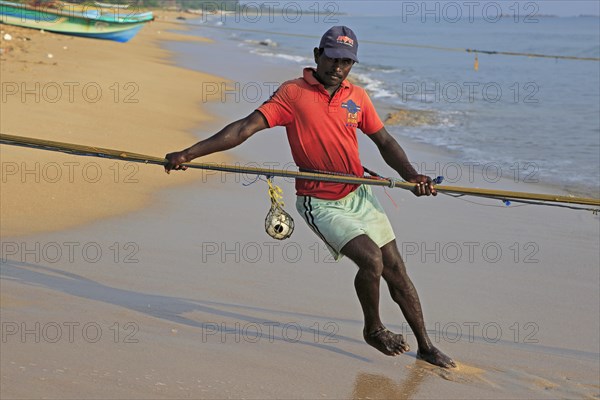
[374, 386]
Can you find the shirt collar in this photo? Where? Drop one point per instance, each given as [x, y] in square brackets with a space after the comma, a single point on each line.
[311, 80]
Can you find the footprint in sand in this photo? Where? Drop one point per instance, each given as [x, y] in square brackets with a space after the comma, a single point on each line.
[463, 373]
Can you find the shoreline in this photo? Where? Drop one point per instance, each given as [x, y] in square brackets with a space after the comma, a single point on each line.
[446, 162]
[522, 157]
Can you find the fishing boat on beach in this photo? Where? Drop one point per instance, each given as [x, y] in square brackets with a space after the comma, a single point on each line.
[110, 5]
[93, 20]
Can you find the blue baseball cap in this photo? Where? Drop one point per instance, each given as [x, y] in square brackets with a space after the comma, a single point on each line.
[340, 42]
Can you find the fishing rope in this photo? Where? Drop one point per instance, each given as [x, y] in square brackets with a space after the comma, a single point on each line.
[368, 171]
[375, 174]
[256, 179]
[81, 150]
[398, 44]
[460, 197]
[275, 193]
[507, 202]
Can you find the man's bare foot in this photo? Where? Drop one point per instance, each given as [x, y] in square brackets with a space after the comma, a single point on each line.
[436, 357]
[387, 342]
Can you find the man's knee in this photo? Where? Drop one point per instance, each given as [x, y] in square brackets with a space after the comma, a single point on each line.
[372, 263]
[392, 260]
[395, 274]
[365, 254]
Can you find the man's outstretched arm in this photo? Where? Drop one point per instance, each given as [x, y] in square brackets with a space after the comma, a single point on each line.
[231, 136]
[395, 157]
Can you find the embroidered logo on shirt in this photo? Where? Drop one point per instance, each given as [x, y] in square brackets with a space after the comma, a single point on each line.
[353, 110]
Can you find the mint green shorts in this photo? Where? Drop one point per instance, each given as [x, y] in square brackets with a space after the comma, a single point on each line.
[337, 222]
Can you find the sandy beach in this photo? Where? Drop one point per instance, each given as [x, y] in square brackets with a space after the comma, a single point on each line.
[124, 96]
[142, 285]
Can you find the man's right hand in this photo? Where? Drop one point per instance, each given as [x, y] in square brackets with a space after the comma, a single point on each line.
[174, 161]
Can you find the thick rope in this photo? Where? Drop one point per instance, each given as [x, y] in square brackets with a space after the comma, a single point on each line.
[82, 150]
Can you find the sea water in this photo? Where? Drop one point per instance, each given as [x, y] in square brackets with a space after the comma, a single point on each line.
[535, 118]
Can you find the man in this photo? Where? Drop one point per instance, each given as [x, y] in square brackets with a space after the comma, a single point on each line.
[321, 112]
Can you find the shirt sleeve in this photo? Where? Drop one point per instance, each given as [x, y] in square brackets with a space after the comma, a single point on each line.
[370, 122]
[278, 109]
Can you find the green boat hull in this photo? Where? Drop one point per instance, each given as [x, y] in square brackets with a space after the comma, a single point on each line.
[70, 23]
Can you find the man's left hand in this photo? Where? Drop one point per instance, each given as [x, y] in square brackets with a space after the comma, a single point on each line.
[424, 186]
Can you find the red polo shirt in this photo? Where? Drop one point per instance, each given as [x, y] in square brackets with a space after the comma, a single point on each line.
[322, 130]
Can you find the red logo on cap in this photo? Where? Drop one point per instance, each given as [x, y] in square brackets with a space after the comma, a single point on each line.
[345, 40]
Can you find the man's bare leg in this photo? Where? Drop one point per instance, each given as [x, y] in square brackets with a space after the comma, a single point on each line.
[368, 257]
[405, 295]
